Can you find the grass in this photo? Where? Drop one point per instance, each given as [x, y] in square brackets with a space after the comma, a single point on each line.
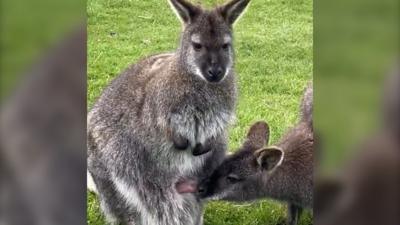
[273, 43]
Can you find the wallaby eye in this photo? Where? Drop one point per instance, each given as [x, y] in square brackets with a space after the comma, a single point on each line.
[225, 46]
[233, 178]
[197, 46]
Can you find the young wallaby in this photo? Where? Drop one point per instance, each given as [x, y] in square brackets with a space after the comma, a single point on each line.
[283, 172]
[165, 119]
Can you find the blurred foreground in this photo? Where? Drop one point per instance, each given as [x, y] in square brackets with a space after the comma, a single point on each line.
[357, 85]
[43, 112]
[366, 189]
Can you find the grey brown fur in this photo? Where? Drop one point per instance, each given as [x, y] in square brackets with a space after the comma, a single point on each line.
[283, 172]
[165, 119]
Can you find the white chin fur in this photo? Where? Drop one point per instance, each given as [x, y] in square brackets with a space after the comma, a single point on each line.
[199, 74]
[91, 186]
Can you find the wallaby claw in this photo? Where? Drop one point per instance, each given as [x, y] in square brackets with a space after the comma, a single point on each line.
[181, 143]
[200, 149]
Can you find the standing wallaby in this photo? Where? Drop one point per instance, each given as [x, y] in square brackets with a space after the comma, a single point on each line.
[164, 119]
[283, 172]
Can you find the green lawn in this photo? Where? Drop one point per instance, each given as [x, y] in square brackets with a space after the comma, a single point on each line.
[273, 42]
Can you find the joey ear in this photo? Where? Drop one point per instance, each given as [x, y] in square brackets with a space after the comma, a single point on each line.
[269, 158]
[232, 10]
[258, 135]
[185, 10]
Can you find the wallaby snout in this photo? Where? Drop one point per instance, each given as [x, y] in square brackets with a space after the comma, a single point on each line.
[214, 73]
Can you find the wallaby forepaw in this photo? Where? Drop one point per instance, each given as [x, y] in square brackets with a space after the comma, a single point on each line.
[200, 149]
[180, 143]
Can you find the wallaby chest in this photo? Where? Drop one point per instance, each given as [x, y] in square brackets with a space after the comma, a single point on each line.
[194, 108]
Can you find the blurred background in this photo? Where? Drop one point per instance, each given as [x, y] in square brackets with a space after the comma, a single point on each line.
[43, 111]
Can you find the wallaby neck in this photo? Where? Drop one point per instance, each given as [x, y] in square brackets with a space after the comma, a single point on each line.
[282, 184]
[276, 183]
[181, 66]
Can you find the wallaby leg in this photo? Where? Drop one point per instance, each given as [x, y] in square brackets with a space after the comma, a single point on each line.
[113, 206]
[104, 195]
[200, 221]
[294, 213]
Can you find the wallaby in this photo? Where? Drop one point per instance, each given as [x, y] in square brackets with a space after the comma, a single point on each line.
[42, 138]
[282, 172]
[366, 190]
[164, 119]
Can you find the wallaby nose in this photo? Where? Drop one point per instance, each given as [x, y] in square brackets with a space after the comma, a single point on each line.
[214, 73]
[202, 188]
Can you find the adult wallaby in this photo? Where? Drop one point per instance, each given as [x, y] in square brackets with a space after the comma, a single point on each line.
[283, 172]
[165, 119]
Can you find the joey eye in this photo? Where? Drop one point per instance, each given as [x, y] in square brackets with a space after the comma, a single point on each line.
[233, 178]
[197, 46]
[225, 46]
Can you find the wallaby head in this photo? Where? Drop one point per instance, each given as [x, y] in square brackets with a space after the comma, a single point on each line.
[206, 48]
[240, 172]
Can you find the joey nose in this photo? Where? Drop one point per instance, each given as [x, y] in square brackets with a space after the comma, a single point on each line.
[202, 188]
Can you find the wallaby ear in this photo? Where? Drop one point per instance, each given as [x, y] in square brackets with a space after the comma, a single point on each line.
[269, 158]
[258, 135]
[232, 10]
[306, 108]
[185, 11]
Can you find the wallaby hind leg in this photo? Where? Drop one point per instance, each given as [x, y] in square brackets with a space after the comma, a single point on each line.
[104, 196]
[294, 213]
[112, 204]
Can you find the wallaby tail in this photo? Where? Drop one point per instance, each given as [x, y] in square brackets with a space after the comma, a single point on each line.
[306, 108]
